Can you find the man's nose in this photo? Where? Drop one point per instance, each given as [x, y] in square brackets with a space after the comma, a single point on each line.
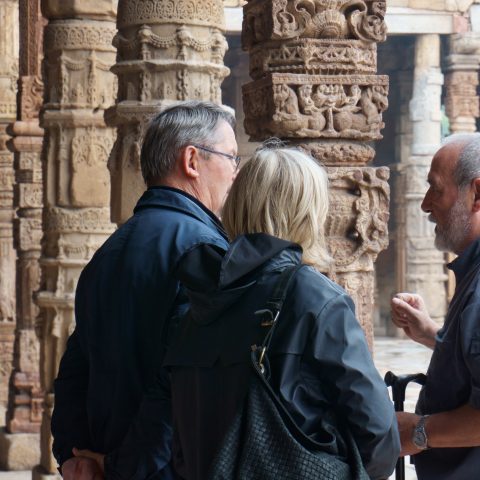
[426, 203]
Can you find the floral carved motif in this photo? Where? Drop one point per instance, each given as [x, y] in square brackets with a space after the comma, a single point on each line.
[314, 57]
[85, 220]
[31, 97]
[203, 12]
[76, 35]
[288, 19]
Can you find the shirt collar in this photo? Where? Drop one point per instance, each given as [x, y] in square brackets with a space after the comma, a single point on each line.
[468, 259]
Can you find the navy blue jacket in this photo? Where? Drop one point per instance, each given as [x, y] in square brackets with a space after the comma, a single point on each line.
[319, 359]
[127, 298]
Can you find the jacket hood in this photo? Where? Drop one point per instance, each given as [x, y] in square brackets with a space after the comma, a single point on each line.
[239, 272]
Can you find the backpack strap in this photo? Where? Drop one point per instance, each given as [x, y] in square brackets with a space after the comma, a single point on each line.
[274, 307]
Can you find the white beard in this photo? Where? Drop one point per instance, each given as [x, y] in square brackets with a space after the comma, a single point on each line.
[452, 238]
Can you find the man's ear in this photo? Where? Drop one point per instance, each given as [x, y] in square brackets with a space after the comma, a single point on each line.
[476, 193]
[189, 162]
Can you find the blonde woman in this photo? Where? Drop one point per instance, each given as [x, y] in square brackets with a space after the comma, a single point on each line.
[319, 359]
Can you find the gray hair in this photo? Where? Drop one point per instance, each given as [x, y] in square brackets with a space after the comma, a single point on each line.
[174, 128]
[468, 165]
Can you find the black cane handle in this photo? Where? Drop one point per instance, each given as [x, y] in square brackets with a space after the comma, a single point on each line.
[399, 385]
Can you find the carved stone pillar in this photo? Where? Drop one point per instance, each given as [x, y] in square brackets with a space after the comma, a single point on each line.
[167, 52]
[76, 219]
[237, 60]
[424, 264]
[403, 144]
[21, 442]
[315, 85]
[461, 82]
[8, 110]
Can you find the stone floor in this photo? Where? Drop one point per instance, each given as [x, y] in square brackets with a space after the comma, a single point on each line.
[400, 356]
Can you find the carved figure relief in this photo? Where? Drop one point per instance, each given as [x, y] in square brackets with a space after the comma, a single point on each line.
[338, 153]
[305, 107]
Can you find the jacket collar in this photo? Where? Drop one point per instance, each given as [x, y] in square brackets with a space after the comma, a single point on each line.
[467, 260]
[175, 199]
[249, 252]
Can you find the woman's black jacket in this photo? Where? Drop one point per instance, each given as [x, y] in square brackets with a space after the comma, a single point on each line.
[319, 358]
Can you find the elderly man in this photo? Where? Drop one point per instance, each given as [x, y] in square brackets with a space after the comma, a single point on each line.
[130, 293]
[444, 435]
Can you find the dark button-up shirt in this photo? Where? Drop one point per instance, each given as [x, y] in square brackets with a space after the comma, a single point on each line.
[453, 377]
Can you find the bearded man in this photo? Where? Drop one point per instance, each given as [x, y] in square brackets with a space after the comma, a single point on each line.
[444, 433]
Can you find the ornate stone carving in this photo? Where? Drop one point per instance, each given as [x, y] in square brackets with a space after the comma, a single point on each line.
[314, 64]
[196, 12]
[461, 82]
[75, 35]
[315, 57]
[8, 108]
[462, 98]
[167, 52]
[26, 398]
[79, 87]
[334, 153]
[357, 231]
[311, 106]
[357, 226]
[288, 19]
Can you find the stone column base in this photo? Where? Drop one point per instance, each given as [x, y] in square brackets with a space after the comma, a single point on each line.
[39, 473]
[19, 451]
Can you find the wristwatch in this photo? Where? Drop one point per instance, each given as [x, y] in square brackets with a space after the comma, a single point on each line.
[419, 437]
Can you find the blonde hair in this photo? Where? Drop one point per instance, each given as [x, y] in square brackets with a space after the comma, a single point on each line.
[281, 192]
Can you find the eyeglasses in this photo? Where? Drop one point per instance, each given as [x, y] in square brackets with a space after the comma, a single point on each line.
[235, 158]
